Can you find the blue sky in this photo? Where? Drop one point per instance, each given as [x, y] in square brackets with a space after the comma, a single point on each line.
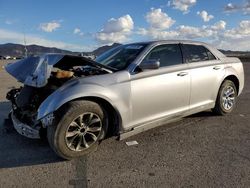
[85, 25]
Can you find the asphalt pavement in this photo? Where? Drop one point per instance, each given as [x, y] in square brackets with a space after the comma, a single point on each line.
[202, 150]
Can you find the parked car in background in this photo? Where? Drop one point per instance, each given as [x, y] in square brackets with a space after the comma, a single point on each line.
[76, 102]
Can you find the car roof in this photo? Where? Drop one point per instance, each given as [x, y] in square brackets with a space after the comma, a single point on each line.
[216, 52]
[171, 41]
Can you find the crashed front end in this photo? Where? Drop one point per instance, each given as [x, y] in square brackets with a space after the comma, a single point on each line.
[22, 115]
[41, 76]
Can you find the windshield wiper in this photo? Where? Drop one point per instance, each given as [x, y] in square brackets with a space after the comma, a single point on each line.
[101, 66]
[105, 67]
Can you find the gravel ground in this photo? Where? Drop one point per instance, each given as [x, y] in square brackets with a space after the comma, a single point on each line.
[198, 151]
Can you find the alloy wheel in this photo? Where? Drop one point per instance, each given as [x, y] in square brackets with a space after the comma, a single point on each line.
[83, 131]
[228, 97]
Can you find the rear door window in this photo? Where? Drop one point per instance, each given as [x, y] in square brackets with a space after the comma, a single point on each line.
[195, 53]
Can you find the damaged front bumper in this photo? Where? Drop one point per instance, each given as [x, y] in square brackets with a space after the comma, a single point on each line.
[25, 129]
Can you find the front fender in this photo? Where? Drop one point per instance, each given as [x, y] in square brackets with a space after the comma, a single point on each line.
[70, 92]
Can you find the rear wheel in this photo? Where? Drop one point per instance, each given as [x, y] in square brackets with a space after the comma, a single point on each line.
[77, 130]
[226, 99]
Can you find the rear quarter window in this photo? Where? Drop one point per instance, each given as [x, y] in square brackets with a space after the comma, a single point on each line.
[195, 53]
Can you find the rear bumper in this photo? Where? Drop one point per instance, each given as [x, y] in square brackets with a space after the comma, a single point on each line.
[24, 129]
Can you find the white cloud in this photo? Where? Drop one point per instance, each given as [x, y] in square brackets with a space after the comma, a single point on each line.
[157, 34]
[230, 7]
[241, 44]
[244, 27]
[8, 22]
[122, 24]
[190, 32]
[205, 16]
[158, 19]
[116, 30]
[7, 36]
[78, 31]
[220, 25]
[243, 7]
[109, 38]
[159, 23]
[183, 5]
[160, 27]
[242, 31]
[236, 38]
[50, 26]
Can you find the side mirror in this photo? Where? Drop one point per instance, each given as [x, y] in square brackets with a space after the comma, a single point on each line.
[150, 64]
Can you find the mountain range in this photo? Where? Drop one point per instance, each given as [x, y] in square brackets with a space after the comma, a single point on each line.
[18, 50]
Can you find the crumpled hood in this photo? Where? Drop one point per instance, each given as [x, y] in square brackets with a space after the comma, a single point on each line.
[34, 71]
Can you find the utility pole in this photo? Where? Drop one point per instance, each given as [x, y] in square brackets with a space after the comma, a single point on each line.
[25, 47]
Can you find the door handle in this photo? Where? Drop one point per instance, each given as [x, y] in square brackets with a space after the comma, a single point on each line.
[216, 67]
[182, 74]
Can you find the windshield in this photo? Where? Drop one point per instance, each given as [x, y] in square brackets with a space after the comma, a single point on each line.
[120, 57]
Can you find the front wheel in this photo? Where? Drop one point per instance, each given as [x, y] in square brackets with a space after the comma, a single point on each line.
[77, 130]
[226, 99]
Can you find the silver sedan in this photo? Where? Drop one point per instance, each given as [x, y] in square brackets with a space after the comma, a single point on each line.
[76, 102]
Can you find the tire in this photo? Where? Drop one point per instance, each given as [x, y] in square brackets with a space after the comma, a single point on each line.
[71, 139]
[226, 99]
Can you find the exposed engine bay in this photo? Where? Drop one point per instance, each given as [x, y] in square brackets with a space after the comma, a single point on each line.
[27, 99]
